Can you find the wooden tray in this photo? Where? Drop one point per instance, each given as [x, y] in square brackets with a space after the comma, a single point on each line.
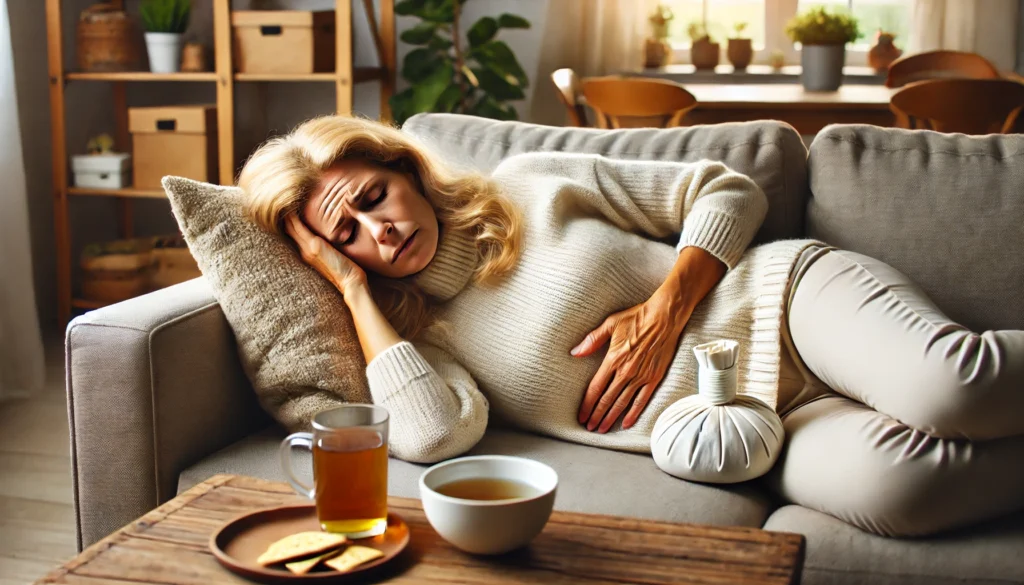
[238, 543]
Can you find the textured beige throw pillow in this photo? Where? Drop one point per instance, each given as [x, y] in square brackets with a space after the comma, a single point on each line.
[296, 339]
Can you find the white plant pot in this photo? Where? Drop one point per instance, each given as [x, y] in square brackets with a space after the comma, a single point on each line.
[822, 66]
[164, 52]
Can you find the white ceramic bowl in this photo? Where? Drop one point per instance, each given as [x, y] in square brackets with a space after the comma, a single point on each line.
[489, 526]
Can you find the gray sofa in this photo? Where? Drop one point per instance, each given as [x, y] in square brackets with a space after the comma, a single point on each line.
[158, 400]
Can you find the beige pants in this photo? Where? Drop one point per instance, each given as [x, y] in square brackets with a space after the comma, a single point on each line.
[923, 430]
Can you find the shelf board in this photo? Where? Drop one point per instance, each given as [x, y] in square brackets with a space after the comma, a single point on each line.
[284, 77]
[128, 192]
[88, 304]
[359, 73]
[139, 76]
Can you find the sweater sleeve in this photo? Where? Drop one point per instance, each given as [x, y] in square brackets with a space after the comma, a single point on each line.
[435, 409]
[704, 203]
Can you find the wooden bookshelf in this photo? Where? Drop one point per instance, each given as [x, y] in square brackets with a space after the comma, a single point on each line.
[346, 75]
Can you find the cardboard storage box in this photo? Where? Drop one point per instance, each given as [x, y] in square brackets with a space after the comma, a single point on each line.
[102, 171]
[283, 41]
[173, 140]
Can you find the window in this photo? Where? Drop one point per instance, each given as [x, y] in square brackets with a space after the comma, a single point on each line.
[766, 24]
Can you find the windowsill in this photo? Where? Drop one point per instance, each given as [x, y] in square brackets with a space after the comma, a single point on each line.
[686, 73]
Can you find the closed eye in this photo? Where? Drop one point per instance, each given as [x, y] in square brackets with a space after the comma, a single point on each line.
[354, 231]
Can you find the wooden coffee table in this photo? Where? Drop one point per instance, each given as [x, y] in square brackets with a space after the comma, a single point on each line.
[169, 545]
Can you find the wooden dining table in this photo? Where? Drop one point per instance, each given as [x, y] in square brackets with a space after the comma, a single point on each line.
[807, 111]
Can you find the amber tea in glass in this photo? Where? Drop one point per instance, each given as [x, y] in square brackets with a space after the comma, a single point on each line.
[350, 469]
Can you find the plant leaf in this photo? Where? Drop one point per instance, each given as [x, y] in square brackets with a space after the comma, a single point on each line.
[512, 21]
[421, 63]
[401, 106]
[487, 107]
[439, 44]
[421, 34]
[410, 7]
[499, 58]
[427, 92]
[483, 31]
[442, 11]
[449, 99]
[497, 86]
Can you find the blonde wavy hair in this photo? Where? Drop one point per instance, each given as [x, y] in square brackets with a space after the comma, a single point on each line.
[280, 176]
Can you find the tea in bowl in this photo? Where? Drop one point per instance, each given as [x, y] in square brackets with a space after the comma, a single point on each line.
[488, 504]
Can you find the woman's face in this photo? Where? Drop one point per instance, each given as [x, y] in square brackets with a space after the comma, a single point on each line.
[375, 216]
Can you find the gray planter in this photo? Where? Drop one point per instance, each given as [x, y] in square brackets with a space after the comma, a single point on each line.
[822, 66]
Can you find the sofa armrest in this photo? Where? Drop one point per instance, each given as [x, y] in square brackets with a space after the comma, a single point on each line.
[154, 385]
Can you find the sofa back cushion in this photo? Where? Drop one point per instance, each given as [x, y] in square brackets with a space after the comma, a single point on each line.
[945, 209]
[771, 153]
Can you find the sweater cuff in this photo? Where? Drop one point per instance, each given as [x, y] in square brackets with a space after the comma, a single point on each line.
[718, 234]
[393, 369]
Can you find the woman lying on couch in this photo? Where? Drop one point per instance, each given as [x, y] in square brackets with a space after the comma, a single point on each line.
[473, 294]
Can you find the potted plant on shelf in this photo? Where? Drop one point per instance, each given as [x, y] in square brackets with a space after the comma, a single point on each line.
[704, 52]
[740, 50]
[823, 36]
[165, 22]
[883, 52]
[657, 50]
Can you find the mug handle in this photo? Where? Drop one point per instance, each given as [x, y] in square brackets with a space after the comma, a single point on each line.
[295, 440]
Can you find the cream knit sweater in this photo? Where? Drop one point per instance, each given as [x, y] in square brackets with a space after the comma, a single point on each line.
[601, 236]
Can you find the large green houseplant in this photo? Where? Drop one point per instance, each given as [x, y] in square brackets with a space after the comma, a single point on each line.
[823, 36]
[476, 74]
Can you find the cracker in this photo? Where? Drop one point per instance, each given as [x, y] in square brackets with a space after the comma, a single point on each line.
[353, 557]
[300, 544]
[304, 566]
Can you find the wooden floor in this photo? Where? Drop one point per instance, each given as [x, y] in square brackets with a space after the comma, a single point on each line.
[37, 523]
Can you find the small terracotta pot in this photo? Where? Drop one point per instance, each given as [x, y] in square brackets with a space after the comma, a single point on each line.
[193, 58]
[740, 53]
[704, 54]
[657, 53]
[883, 52]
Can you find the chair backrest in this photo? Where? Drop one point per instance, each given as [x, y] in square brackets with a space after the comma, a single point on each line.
[939, 64]
[968, 106]
[568, 85]
[633, 102]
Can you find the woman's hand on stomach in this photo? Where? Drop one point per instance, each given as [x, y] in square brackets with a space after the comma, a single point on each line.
[643, 341]
[343, 273]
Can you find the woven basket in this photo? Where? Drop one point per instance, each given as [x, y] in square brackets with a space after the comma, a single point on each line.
[106, 40]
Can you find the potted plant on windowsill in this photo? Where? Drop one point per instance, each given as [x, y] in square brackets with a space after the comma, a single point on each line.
[704, 52]
[823, 36]
[165, 22]
[740, 50]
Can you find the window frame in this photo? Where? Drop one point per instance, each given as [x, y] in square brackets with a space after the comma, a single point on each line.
[777, 14]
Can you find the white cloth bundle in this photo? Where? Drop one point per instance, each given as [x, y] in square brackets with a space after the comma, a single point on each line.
[715, 436]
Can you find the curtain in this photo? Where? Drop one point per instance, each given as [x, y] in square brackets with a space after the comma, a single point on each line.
[21, 346]
[592, 37]
[986, 27]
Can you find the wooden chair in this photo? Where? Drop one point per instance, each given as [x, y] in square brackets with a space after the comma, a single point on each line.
[568, 85]
[939, 64]
[633, 102]
[969, 106]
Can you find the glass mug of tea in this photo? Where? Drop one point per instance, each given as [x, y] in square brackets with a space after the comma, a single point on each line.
[350, 468]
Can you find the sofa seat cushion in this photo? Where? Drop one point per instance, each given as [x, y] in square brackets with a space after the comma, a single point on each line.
[592, 480]
[839, 554]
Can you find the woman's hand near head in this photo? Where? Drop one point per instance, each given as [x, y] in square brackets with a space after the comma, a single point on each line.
[343, 273]
[373, 329]
[643, 341]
